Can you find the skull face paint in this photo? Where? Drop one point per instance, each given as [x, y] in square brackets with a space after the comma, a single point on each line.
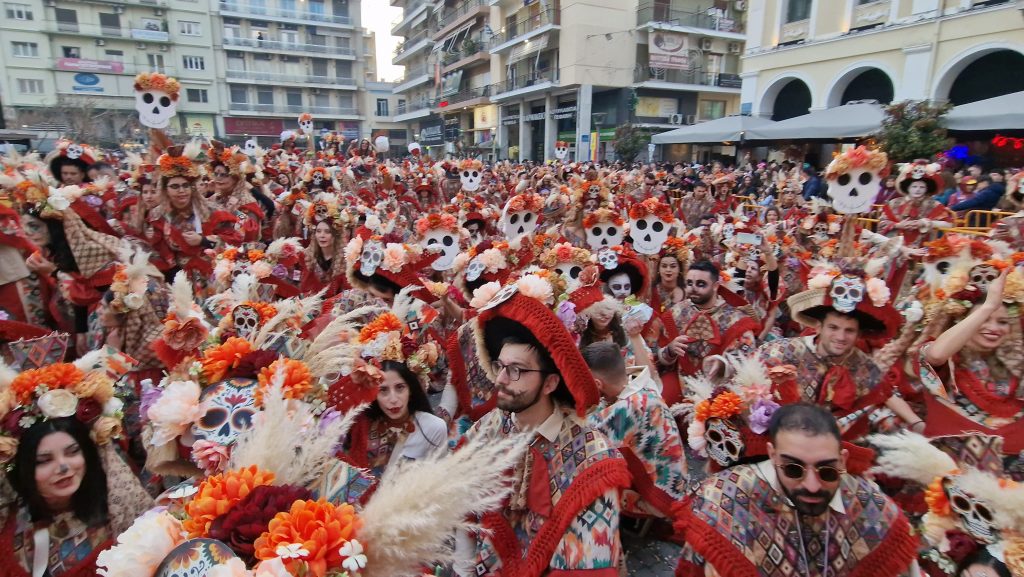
[724, 442]
[444, 241]
[246, 321]
[846, 293]
[306, 124]
[604, 235]
[561, 150]
[648, 234]
[230, 406]
[821, 231]
[156, 108]
[371, 257]
[620, 285]
[853, 192]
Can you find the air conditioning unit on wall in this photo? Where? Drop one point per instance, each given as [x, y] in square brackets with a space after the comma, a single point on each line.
[675, 119]
[690, 119]
[741, 5]
[735, 48]
[705, 44]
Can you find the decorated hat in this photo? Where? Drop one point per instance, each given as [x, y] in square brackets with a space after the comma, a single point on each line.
[847, 287]
[920, 171]
[67, 152]
[180, 161]
[621, 259]
[398, 263]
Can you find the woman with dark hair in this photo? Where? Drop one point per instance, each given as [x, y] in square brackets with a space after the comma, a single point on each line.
[398, 425]
[232, 192]
[983, 564]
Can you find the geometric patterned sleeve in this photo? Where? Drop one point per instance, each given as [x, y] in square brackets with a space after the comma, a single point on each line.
[591, 543]
[127, 500]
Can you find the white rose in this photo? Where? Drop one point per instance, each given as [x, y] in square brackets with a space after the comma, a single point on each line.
[58, 403]
[133, 301]
[58, 202]
[112, 407]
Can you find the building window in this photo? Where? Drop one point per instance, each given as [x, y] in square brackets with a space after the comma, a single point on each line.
[186, 28]
[321, 100]
[156, 62]
[25, 49]
[71, 51]
[712, 109]
[18, 11]
[196, 95]
[293, 97]
[115, 55]
[797, 10]
[265, 95]
[239, 95]
[30, 86]
[193, 62]
[382, 107]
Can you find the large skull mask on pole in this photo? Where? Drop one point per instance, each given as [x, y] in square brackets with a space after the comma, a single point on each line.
[853, 179]
[156, 99]
[447, 242]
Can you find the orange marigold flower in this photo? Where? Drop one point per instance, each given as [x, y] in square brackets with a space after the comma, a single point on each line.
[266, 311]
[997, 263]
[218, 494]
[296, 382]
[321, 527]
[57, 376]
[935, 496]
[230, 253]
[702, 411]
[940, 294]
[726, 405]
[385, 323]
[219, 359]
[254, 254]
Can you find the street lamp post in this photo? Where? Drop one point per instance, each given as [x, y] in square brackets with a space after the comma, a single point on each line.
[597, 119]
[494, 144]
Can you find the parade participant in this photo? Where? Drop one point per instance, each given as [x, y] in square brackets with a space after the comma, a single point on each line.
[668, 290]
[74, 493]
[324, 262]
[706, 323]
[232, 192]
[27, 284]
[844, 304]
[69, 163]
[636, 420]
[971, 371]
[844, 525]
[136, 209]
[562, 515]
[186, 224]
[695, 205]
[602, 318]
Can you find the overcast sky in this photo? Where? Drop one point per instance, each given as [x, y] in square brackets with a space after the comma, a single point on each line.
[378, 16]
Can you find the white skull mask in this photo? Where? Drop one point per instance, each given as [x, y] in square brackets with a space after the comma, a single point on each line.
[250, 147]
[74, 151]
[724, 442]
[371, 257]
[474, 269]
[604, 235]
[517, 225]
[847, 292]
[753, 253]
[852, 192]
[447, 243]
[728, 230]
[608, 259]
[230, 406]
[620, 285]
[571, 273]
[246, 320]
[983, 275]
[318, 178]
[155, 107]
[320, 211]
[561, 152]
[975, 516]
[821, 231]
[470, 178]
[648, 234]
[306, 126]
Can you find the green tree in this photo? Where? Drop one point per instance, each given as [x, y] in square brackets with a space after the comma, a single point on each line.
[629, 141]
[912, 130]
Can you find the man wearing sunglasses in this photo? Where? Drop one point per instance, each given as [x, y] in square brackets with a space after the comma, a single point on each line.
[797, 513]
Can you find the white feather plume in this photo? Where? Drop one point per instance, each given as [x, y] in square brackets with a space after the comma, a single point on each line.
[908, 455]
[406, 527]
[7, 375]
[748, 370]
[698, 387]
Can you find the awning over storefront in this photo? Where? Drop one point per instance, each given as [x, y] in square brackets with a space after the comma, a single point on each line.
[1004, 112]
[847, 121]
[521, 51]
[729, 128]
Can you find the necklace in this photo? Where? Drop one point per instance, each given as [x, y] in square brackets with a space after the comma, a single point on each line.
[803, 546]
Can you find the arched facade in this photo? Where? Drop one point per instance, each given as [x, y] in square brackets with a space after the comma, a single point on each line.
[949, 73]
[768, 99]
[861, 81]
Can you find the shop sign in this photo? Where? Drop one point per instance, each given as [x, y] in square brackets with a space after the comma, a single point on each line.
[668, 50]
[86, 65]
[565, 112]
[510, 120]
[535, 117]
[432, 132]
[254, 126]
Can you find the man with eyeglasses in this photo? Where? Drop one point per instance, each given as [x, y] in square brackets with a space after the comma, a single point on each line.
[562, 515]
[799, 513]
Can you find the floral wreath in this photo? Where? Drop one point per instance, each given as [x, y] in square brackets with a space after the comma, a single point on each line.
[652, 206]
[436, 221]
[83, 389]
[527, 201]
[859, 157]
[603, 215]
[157, 81]
[564, 253]
[676, 247]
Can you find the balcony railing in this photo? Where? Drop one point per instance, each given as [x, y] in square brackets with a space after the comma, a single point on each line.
[406, 108]
[99, 31]
[679, 17]
[698, 77]
[298, 78]
[411, 73]
[291, 109]
[406, 12]
[247, 9]
[468, 94]
[452, 14]
[524, 81]
[467, 50]
[270, 44]
[410, 42]
[525, 26]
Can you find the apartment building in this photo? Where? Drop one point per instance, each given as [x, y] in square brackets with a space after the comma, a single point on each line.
[381, 105]
[282, 58]
[509, 78]
[69, 66]
[805, 55]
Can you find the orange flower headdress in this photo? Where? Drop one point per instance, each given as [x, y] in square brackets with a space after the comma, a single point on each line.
[179, 161]
[601, 216]
[157, 81]
[652, 206]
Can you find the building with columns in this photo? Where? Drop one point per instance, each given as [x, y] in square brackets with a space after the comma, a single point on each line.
[807, 55]
[509, 78]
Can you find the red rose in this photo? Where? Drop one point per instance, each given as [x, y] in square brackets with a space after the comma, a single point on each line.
[88, 410]
[961, 546]
[10, 422]
[245, 522]
[251, 364]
